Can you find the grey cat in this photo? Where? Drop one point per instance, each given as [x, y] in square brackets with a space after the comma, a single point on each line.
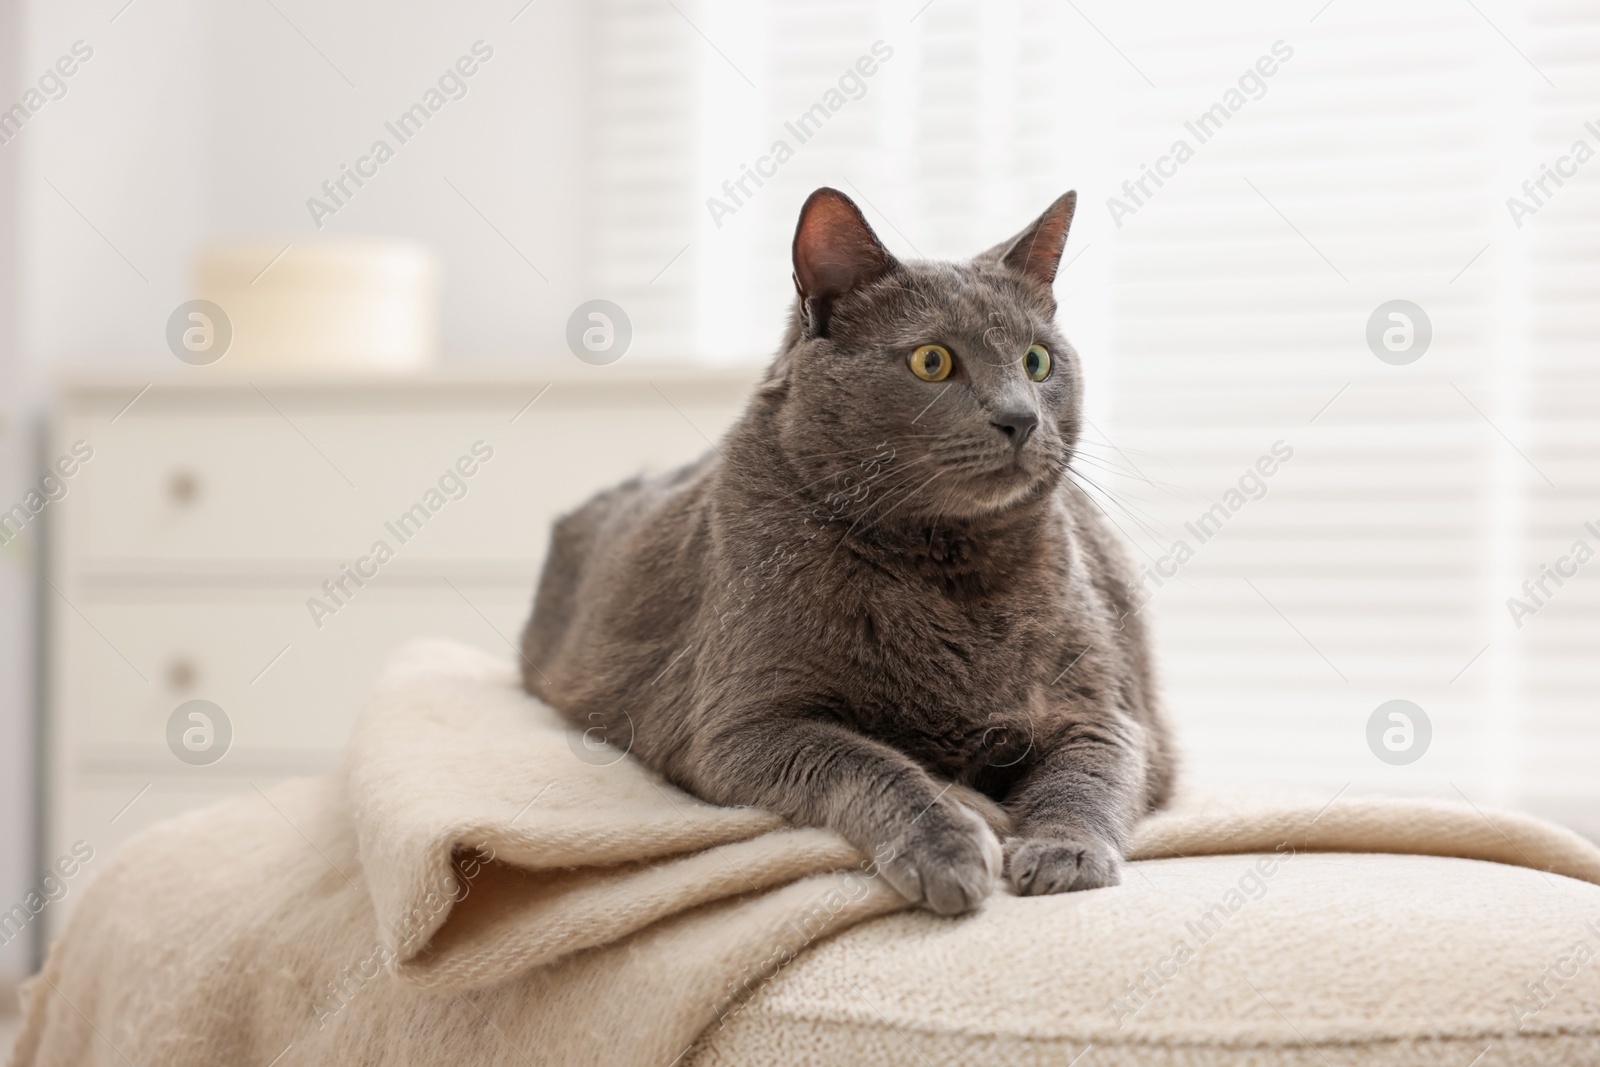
[880, 585]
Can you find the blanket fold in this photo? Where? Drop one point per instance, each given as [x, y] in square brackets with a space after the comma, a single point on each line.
[1210, 826]
[460, 786]
[478, 885]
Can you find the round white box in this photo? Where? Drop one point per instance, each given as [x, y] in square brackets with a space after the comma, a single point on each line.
[349, 304]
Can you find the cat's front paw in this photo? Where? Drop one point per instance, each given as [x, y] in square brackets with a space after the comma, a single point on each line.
[1036, 866]
[948, 861]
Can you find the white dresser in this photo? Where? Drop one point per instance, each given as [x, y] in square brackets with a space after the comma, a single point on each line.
[182, 558]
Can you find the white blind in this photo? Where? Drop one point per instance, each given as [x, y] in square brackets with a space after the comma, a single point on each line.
[962, 133]
[1375, 167]
[642, 130]
[1340, 156]
[1557, 670]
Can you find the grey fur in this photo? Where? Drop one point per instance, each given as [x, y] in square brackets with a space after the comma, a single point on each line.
[867, 591]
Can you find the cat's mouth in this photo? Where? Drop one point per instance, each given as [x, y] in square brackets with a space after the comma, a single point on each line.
[1023, 464]
[997, 486]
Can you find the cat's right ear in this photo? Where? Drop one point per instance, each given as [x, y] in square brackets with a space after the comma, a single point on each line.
[835, 252]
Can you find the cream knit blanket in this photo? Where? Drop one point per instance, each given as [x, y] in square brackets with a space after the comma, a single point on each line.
[479, 886]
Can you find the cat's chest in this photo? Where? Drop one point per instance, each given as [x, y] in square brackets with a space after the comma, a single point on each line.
[947, 665]
[930, 645]
[924, 630]
[955, 686]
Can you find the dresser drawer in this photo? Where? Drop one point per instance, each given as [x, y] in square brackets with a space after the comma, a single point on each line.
[289, 691]
[232, 478]
[290, 695]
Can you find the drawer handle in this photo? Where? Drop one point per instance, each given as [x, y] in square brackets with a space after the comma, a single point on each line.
[183, 487]
[182, 674]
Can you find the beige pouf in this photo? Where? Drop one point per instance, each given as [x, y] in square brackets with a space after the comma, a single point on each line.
[1318, 960]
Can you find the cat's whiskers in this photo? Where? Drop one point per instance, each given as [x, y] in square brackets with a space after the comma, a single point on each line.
[886, 493]
[1149, 531]
[1108, 517]
[903, 499]
[887, 442]
[907, 473]
[890, 461]
[1108, 464]
[840, 474]
[904, 473]
[1129, 509]
[830, 475]
[976, 460]
[1120, 449]
[1125, 453]
[1132, 476]
[908, 497]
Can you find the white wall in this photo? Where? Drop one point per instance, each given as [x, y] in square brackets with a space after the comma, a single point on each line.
[16, 738]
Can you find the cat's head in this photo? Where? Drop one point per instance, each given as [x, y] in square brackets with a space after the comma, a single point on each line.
[926, 390]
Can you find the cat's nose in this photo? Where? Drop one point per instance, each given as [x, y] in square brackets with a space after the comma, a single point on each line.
[1017, 425]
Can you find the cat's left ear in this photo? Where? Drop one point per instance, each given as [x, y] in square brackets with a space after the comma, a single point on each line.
[1035, 253]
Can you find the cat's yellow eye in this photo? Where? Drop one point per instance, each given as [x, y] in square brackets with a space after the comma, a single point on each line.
[932, 363]
[1036, 363]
